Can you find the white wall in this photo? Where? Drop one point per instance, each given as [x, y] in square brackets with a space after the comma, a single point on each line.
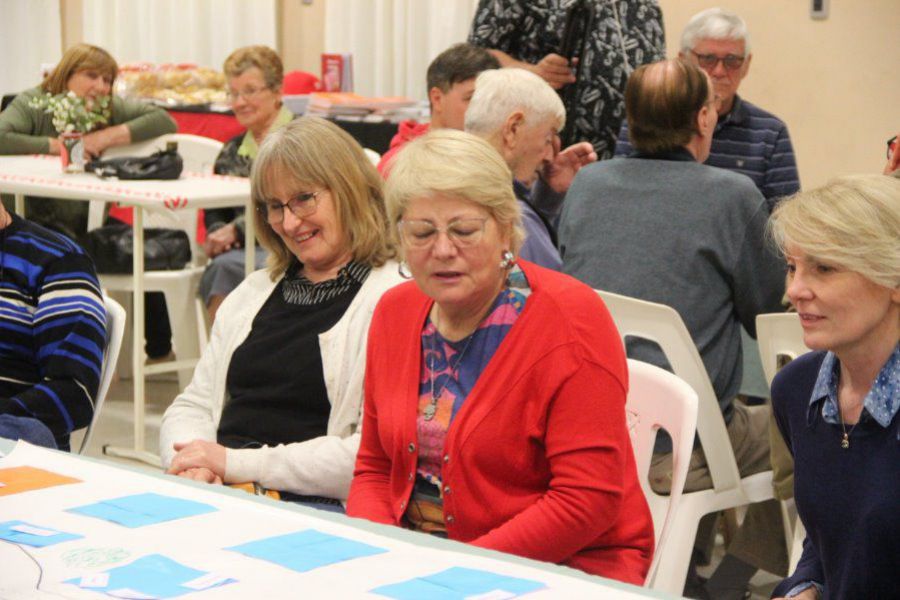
[29, 35]
[204, 32]
[393, 41]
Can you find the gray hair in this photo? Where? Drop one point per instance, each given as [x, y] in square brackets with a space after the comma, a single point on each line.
[501, 92]
[851, 221]
[715, 24]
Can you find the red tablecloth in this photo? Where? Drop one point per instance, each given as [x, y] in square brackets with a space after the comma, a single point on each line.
[213, 125]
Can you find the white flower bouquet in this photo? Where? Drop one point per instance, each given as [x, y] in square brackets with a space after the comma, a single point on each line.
[72, 113]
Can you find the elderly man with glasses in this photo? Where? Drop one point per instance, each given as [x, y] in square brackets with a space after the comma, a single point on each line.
[747, 139]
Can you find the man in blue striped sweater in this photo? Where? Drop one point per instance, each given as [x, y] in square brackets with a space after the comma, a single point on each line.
[52, 334]
[747, 139]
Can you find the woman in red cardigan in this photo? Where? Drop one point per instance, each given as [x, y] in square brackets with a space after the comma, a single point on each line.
[495, 389]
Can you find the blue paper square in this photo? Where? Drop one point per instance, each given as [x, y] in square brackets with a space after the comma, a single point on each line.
[306, 550]
[30, 539]
[457, 583]
[143, 509]
[152, 575]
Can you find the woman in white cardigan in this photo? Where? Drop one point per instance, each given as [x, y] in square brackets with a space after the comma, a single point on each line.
[277, 396]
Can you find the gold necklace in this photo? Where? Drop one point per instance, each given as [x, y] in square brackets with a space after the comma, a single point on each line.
[845, 439]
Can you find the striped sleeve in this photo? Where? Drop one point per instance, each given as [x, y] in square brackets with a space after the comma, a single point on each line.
[781, 177]
[623, 144]
[58, 320]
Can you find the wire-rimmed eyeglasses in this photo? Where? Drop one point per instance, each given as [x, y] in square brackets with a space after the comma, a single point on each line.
[419, 233]
[301, 205]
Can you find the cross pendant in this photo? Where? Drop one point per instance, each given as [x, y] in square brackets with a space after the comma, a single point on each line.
[845, 442]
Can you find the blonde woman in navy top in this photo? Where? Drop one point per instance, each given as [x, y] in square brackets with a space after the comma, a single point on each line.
[837, 406]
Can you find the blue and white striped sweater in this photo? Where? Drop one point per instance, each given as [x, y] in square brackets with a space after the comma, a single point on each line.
[52, 329]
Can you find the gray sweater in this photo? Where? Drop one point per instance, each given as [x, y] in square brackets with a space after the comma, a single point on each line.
[670, 230]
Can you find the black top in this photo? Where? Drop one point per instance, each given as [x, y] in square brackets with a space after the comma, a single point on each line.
[847, 498]
[275, 387]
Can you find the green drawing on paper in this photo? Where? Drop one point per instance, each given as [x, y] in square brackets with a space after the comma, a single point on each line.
[94, 557]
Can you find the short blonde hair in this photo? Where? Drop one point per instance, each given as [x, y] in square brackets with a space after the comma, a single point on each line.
[79, 57]
[501, 92]
[456, 164]
[851, 221]
[316, 152]
[263, 58]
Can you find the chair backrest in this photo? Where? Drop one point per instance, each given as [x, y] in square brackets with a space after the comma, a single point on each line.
[199, 153]
[658, 399]
[115, 331]
[373, 156]
[663, 325]
[778, 334]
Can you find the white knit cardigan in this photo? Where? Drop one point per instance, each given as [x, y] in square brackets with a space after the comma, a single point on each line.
[322, 466]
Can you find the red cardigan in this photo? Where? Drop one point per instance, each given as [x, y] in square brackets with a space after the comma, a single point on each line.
[538, 461]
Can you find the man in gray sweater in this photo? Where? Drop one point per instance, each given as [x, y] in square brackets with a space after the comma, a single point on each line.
[661, 226]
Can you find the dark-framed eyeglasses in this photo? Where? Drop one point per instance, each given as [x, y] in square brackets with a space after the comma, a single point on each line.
[419, 233]
[891, 146]
[301, 205]
[731, 62]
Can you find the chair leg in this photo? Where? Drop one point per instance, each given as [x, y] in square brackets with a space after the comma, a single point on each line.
[124, 366]
[671, 571]
[182, 308]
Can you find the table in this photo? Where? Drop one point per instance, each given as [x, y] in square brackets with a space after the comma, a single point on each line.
[41, 175]
[201, 541]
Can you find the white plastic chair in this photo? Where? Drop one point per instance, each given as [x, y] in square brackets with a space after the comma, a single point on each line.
[781, 335]
[115, 331]
[657, 400]
[663, 325]
[778, 334]
[179, 286]
[373, 156]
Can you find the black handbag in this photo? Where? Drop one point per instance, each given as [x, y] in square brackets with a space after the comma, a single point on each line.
[112, 248]
[165, 164]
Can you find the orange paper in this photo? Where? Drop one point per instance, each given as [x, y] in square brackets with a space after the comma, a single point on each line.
[24, 479]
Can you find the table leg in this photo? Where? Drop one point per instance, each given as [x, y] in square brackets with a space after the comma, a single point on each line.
[20, 205]
[249, 238]
[138, 452]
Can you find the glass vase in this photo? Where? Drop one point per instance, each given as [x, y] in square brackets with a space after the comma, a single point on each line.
[71, 151]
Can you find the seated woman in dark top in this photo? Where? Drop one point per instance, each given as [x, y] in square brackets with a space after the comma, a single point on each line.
[837, 407]
[277, 395]
[254, 76]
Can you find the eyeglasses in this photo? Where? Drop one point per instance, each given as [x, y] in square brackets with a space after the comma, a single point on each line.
[892, 146]
[731, 62]
[246, 93]
[301, 205]
[463, 233]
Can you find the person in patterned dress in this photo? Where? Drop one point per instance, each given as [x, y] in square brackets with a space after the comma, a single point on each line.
[620, 37]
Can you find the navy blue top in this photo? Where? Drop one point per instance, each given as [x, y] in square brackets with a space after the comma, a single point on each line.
[848, 499]
[52, 329]
[750, 141]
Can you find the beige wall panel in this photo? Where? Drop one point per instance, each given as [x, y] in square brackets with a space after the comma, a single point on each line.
[70, 12]
[834, 82]
[302, 30]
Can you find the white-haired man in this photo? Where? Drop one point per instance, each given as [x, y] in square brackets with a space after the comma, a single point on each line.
[747, 139]
[520, 115]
